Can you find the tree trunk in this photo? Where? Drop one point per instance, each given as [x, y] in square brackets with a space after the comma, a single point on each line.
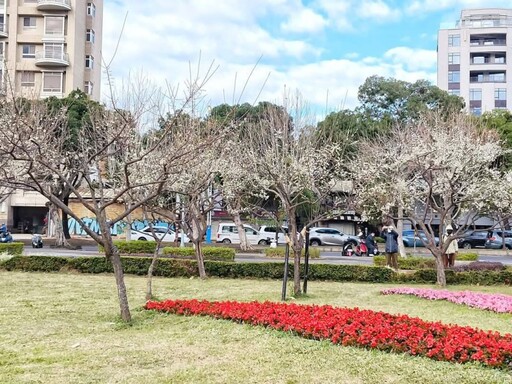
[200, 259]
[60, 239]
[441, 277]
[112, 254]
[152, 266]
[400, 229]
[297, 249]
[65, 224]
[244, 244]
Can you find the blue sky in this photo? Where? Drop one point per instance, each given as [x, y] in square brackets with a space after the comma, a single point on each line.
[325, 49]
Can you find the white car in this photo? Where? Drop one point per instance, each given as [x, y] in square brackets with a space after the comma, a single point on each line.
[228, 233]
[269, 233]
[164, 233]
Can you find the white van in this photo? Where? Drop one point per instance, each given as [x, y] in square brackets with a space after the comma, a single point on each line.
[228, 234]
[269, 233]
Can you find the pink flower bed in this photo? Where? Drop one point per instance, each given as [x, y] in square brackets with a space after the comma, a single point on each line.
[492, 302]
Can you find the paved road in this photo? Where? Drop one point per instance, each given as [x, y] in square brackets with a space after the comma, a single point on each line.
[327, 255]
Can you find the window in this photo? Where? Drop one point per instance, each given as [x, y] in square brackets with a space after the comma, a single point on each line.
[479, 60]
[477, 111]
[497, 77]
[52, 82]
[28, 79]
[475, 94]
[91, 9]
[54, 51]
[29, 51]
[90, 36]
[454, 40]
[500, 94]
[29, 22]
[88, 87]
[54, 25]
[455, 92]
[454, 76]
[499, 59]
[454, 58]
[89, 62]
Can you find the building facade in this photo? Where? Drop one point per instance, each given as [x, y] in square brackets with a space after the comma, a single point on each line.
[474, 58]
[51, 47]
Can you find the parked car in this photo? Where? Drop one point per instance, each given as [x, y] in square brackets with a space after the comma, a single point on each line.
[412, 238]
[473, 239]
[228, 233]
[269, 233]
[495, 239]
[164, 233]
[330, 236]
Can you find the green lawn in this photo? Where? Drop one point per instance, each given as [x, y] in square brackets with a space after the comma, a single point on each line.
[63, 328]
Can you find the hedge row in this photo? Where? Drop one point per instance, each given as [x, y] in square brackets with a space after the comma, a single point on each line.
[415, 262]
[314, 253]
[11, 248]
[209, 253]
[188, 268]
[133, 246]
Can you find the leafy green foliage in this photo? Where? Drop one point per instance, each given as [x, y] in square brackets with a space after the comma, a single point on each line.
[11, 248]
[133, 246]
[501, 121]
[409, 262]
[467, 256]
[209, 253]
[314, 253]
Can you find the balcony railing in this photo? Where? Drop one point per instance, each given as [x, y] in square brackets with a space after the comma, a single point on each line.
[487, 79]
[488, 61]
[488, 43]
[51, 58]
[53, 5]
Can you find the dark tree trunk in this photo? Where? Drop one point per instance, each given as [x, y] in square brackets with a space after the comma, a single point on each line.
[152, 266]
[112, 254]
[60, 240]
[65, 224]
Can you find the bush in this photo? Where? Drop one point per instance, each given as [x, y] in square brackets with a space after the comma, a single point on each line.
[379, 240]
[480, 266]
[12, 248]
[209, 253]
[314, 253]
[409, 262]
[467, 256]
[133, 246]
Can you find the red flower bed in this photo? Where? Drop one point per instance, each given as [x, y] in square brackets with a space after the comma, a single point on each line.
[356, 327]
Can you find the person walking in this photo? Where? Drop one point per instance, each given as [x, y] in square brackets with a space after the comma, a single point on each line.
[390, 235]
[453, 249]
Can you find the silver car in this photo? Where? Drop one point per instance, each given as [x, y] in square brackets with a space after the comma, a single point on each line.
[330, 236]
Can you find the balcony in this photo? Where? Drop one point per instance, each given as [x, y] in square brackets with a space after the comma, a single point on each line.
[490, 78]
[4, 31]
[53, 5]
[52, 59]
[488, 43]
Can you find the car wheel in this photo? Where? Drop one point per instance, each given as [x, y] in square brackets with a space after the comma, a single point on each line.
[466, 245]
[263, 242]
[226, 241]
[315, 243]
[142, 239]
[508, 246]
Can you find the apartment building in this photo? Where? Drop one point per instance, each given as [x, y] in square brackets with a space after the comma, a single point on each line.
[50, 47]
[472, 59]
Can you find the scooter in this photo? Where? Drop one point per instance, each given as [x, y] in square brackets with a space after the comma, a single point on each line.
[37, 241]
[5, 237]
[347, 249]
[361, 249]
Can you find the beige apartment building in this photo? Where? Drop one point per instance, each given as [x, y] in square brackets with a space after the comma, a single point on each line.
[474, 58]
[48, 48]
[51, 47]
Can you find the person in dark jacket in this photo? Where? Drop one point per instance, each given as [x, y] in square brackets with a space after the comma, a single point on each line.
[390, 235]
[370, 243]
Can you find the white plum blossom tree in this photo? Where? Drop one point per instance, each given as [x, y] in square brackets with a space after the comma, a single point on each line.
[439, 167]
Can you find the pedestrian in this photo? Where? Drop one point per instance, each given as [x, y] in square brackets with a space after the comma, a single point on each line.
[452, 250]
[370, 243]
[391, 238]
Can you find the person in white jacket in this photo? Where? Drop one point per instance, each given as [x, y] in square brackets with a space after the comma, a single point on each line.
[452, 250]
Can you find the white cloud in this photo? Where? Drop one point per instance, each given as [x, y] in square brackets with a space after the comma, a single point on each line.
[413, 59]
[306, 20]
[378, 10]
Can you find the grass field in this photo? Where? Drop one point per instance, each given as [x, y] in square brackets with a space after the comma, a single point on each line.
[63, 328]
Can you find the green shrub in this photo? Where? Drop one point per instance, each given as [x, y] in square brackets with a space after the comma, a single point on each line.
[133, 246]
[35, 263]
[12, 248]
[379, 239]
[467, 256]
[409, 262]
[314, 253]
[209, 253]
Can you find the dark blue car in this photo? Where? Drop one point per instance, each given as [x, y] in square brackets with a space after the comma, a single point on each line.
[418, 239]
